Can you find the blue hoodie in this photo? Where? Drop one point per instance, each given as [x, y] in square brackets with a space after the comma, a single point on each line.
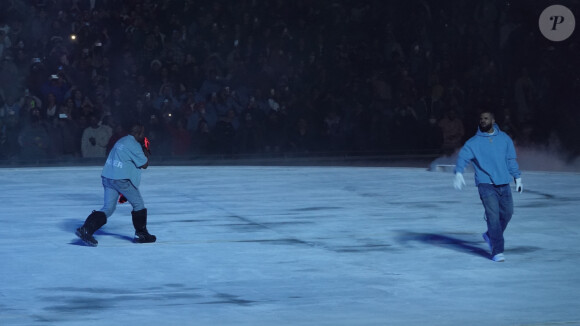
[493, 157]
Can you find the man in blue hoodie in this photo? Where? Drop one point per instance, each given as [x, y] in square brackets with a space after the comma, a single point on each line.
[121, 175]
[492, 153]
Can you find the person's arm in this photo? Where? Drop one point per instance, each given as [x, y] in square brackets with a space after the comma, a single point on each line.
[511, 159]
[146, 152]
[144, 166]
[513, 166]
[463, 158]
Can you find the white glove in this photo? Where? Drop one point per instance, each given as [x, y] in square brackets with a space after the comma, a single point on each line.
[459, 182]
[519, 186]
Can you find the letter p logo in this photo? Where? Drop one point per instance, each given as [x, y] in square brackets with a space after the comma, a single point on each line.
[557, 23]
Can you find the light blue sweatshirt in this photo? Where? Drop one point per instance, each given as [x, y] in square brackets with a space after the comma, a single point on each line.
[493, 157]
[124, 161]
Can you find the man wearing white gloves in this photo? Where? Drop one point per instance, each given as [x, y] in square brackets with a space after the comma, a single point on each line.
[493, 156]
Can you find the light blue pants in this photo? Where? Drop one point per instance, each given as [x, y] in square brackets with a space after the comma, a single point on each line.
[125, 187]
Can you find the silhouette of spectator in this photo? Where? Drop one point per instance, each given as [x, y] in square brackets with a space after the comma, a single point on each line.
[202, 139]
[452, 131]
[34, 139]
[274, 133]
[50, 108]
[139, 111]
[224, 133]
[166, 101]
[56, 85]
[432, 135]
[5, 43]
[26, 103]
[201, 112]
[118, 103]
[64, 134]
[405, 126]
[250, 133]
[95, 139]
[333, 130]
[8, 106]
[180, 138]
[9, 131]
[118, 133]
[524, 92]
[217, 104]
[159, 135]
[300, 138]
[78, 100]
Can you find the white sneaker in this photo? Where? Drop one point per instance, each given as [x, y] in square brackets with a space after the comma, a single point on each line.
[498, 258]
[486, 238]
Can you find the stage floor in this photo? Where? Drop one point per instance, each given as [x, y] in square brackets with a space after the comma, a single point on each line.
[287, 246]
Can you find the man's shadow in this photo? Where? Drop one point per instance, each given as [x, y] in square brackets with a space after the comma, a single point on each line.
[454, 243]
[71, 225]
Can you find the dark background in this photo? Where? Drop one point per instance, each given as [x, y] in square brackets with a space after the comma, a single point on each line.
[292, 79]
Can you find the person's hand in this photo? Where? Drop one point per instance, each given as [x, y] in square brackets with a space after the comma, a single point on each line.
[459, 181]
[146, 147]
[519, 186]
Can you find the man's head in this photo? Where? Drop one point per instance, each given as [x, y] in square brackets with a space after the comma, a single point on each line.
[93, 121]
[137, 130]
[35, 115]
[486, 121]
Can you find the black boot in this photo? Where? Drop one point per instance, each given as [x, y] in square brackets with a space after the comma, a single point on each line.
[140, 224]
[93, 222]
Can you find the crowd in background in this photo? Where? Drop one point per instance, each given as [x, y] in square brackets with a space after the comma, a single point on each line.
[255, 77]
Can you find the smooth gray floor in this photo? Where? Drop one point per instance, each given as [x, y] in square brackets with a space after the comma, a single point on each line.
[287, 246]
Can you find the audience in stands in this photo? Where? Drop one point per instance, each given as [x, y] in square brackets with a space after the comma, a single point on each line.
[265, 77]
